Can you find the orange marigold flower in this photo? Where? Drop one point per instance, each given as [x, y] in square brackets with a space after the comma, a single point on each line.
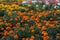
[16, 37]
[43, 28]
[25, 17]
[22, 29]
[11, 32]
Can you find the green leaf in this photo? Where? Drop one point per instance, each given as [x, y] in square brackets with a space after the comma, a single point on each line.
[9, 38]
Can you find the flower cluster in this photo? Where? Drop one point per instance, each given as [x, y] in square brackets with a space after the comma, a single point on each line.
[28, 22]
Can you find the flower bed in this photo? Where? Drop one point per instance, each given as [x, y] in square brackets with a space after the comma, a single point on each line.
[28, 22]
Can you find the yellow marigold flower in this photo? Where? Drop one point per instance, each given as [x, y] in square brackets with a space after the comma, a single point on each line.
[2, 5]
[58, 11]
[29, 5]
[11, 8]
[8, 8]
[23, 8]
[5, 6]
[13, 5]
[16, 7]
